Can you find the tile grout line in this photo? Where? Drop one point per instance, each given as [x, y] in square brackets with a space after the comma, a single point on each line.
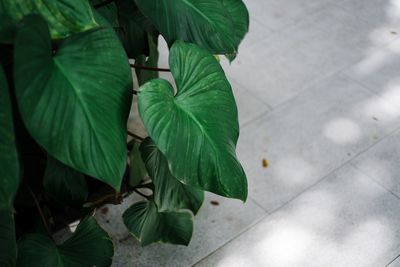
[259, 205]
[323, 178]
[390, 262]
[306, 89]
[372, 179]
[347, 162]
[247, 228]
[362, 18]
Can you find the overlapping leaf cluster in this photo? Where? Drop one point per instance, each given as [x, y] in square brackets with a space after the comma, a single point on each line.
[65, 97]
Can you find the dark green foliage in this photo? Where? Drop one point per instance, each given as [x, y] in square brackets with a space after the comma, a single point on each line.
[66, 90]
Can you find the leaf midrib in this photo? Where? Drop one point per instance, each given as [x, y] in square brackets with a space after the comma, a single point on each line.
[202, 14]
[82, 104]
[198, 124]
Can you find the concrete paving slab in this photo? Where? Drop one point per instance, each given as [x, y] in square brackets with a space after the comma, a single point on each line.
[346, 220]
[279, 14]
[214, 226]
[394, 263]
[384, 14]
[310, 136]
[382, 163]
[379, 71]
[249, 106]
[286, 63]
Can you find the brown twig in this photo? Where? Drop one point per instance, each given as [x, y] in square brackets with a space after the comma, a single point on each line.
[140, 67]
[135, 136]
[113, 198]
[140, 193]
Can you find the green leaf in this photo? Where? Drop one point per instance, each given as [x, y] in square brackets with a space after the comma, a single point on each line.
[217, 26]
[64, 16]
[196, 129]
[137, 169]
[169, 193]
[64, 184]
[75, 102]
[132, 31]
[142, 75]
[7, 29]
[9, 162]
[148, 225]
[89, 246]
[108, 12]
[8, 246]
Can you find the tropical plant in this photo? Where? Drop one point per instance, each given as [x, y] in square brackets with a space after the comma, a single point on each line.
[65, 96]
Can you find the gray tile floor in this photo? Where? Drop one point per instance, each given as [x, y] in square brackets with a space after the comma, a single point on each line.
[317, 83]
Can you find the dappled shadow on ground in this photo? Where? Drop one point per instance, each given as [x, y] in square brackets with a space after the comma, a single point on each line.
[335, 90]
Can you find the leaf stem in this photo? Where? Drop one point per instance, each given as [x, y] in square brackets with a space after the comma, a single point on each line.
[140, 67]
[140, 193]
[40, 210]
[135, 136]
[113, 198]
[104, 3]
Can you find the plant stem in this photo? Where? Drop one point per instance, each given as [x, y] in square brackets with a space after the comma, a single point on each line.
[140, 193]
[103, 3]
[135, 136]
[134, 92]
[113, 198]
[140, 67]
[40, 210]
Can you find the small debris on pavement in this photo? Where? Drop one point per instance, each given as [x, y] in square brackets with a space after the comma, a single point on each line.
[104, 210]
[265, 163]
[214, 203]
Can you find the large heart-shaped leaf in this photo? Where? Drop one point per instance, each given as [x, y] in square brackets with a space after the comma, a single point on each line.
[217, 25]
[197, 129]
[8, 246]
[75, 101]
[9, 162]
[64, 184]
[89, 246]
[169, 193]
[64, 16]
[148, 225]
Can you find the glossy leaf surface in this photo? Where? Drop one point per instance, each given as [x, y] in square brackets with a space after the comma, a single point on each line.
[148, 225]
[108, 12]
[216, 25]
[63, 16]
[169, 193]
[197, 128]
[75, 101]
